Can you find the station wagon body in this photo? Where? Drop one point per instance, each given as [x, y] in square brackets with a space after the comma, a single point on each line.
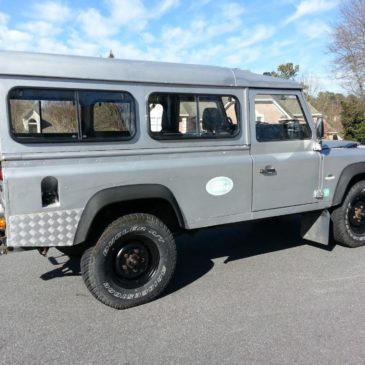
[88, 142]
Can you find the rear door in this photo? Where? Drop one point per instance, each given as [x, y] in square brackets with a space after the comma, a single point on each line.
[285, 166]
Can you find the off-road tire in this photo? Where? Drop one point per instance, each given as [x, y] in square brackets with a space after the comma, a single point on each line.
[344, 231]
[105, 270]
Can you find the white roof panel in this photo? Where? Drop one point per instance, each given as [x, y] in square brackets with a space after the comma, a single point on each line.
[109, 69]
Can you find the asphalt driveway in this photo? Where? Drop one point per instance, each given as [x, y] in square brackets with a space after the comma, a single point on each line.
[242, 294]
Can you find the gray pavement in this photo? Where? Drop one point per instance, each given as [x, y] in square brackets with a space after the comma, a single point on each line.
[242, 294]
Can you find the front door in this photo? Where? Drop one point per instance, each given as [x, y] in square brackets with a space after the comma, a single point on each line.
[285, 166]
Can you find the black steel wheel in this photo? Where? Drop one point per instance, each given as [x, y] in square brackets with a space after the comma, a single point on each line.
[132, 262]
[356, 214]
[349, 218]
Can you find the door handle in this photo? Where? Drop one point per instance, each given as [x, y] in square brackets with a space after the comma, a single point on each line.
[268, 170]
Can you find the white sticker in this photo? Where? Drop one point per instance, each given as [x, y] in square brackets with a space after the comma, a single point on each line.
[220, 185]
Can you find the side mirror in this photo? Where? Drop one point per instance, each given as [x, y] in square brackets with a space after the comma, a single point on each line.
[320, 128]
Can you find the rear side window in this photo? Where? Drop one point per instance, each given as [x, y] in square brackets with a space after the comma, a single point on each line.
[175, 116]
[106, 114]
[43, 112]
[71, 115]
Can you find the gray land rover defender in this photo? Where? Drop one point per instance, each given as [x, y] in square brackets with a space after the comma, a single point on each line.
[111, 159]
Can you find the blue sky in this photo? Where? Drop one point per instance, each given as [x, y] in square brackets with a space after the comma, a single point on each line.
[255, 35]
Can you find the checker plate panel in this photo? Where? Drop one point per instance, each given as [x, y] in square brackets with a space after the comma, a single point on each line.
[54, 228]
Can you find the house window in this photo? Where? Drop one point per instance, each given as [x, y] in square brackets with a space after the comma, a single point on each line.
[179, 116]
[279, 117]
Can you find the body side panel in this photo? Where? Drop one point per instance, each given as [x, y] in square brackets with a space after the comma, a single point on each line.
[340, 165]
[184, 174]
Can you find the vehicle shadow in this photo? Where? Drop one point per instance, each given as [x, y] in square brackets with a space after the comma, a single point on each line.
[235, 242]
[69, 268]
[197, 249]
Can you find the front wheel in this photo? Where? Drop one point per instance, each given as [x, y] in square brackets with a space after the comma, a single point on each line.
[349, 218]
[131, 263]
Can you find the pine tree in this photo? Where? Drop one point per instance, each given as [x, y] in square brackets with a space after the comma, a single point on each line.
[353, 118]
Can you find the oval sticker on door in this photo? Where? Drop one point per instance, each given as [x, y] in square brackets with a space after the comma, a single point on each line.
[220, 185]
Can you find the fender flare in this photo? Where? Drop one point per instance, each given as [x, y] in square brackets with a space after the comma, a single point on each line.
[348, 173]
[120, 194]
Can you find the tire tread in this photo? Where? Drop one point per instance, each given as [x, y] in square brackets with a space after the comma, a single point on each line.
[338, 216]
[88, 267]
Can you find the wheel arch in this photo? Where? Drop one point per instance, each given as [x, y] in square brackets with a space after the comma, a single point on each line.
[126, 197]
[350, 175]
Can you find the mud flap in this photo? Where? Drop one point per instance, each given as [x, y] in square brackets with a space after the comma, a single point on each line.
[316, 226]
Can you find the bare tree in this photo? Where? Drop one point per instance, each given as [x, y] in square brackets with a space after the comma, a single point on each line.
[61, 115]
[310, 84]
[348, 45]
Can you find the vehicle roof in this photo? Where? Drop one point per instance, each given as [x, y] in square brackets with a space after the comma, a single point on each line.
[109, 69]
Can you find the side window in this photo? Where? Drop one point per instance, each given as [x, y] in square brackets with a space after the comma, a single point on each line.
[182, 116]
[43, 113]
[71, 115]
[279, 117]
[106, 114]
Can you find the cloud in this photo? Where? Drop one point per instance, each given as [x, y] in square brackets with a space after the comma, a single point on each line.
[51, 11]
[125, 12]
[204, 32]
[93, 32]
[307, 7]
[164, 7]
[4, 18]
[121, 14]
[314, 29]
[248, 46]
[148, 38]
[40, 28]
[232, 10]
[243, 57]
[94, 25]
[250, 37]
[197, 5]
[15, 39]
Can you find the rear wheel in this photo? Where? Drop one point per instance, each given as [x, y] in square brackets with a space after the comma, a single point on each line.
[131, 263]
[349, 218]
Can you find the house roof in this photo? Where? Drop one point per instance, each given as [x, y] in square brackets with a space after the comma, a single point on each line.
[291, 106]
[109, 69]
[29, 114]
[313, 110]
